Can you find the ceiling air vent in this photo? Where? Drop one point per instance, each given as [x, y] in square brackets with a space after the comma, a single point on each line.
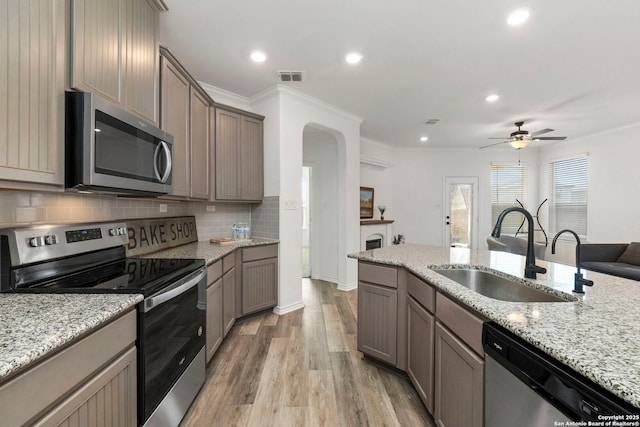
[431, 122]
[290, 76]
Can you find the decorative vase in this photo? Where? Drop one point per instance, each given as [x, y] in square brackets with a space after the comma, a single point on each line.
[382, 208]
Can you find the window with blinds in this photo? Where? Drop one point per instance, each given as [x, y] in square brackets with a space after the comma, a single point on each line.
[569, 185]
[508, 183]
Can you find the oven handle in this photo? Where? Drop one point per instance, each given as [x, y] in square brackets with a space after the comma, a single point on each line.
[154, 301]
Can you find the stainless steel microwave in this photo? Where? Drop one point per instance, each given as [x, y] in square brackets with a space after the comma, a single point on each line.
[109, 150]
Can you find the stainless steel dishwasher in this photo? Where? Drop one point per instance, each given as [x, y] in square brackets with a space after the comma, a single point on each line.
[525, 387]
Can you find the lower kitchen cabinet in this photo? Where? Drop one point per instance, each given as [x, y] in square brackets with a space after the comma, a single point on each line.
[215, 326]
[420, 341]
[377, 321]
[228, 300]
[459, 375]
[92, 380]
[259, 280]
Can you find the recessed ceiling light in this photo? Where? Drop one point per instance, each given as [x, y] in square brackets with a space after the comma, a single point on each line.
[258, 56]
[518, 16]
[492, 98]
[424, 138]
[353, 58]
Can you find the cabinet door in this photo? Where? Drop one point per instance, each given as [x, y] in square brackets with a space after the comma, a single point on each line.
[109, 398]
[227, 171]
[199, 125]
[142, 53]
[229, 300]
[251, 160]
[259, 285]
[377, 321]
[175, 120]
[32, 82]
[214, 318]
[458, 382]
[420, 352]
[98, 50]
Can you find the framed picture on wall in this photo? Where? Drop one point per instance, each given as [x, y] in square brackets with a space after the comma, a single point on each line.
[366, 202]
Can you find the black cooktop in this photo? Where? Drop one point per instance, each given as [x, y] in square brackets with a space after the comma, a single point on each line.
[99, 272]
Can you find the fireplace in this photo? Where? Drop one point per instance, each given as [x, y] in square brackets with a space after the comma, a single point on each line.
[373, 244]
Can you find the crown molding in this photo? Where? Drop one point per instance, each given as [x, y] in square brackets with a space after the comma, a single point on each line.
[239, 101]
[374, 161]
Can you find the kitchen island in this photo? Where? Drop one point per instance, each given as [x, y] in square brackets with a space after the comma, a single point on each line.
[597, 334]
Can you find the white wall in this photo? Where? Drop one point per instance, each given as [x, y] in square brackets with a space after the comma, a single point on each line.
[614, 180]
[288, 113]
[376, 172]
[320, 151]
[418, 187]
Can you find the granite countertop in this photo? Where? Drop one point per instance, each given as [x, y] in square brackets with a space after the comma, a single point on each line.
[597, 334]
[35, 324]
[210, 252]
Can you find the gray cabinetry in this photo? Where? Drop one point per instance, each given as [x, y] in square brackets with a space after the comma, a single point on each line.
[32, 82]
[459, 366]
[239, 165]
[228, 292]
[184, 113]
[382, 313]
[259, 278]
[115, 52]
[420, 338]
[215, 327]
[94, 376]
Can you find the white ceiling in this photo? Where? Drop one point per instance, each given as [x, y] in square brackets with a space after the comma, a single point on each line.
[574, 66]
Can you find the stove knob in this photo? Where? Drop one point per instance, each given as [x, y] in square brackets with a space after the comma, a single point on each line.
[122, 231]
[113, 232]
[34, 242]
[51, 239]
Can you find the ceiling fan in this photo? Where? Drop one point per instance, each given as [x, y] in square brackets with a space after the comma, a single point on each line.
[521, 138]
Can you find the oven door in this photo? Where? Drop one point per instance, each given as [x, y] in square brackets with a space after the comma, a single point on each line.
[171, 334]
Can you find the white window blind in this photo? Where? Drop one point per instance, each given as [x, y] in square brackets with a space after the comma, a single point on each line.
[508, 183]
[569, 184]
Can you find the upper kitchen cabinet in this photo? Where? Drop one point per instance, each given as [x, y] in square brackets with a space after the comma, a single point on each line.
[115, 52]
[32, 82]
[239, 153]
[185, 114]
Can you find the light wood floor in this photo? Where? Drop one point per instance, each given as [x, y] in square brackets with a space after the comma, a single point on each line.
[303, 369]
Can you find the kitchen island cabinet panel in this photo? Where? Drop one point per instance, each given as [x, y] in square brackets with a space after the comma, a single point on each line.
[459, 376]
[377, 321]
[420, 353]
[32, 83]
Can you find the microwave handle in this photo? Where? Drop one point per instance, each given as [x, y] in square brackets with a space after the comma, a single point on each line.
[167, 155]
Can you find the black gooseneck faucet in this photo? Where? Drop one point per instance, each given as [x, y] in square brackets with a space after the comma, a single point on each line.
[578, 281]
[530, 268]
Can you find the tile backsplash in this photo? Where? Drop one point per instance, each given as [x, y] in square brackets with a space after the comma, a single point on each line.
[24, 207]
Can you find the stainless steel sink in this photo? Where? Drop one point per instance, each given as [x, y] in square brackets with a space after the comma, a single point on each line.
[497, 287]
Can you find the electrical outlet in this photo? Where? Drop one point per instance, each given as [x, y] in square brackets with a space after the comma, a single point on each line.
[163, 207]
[211, 208]
[290, 204]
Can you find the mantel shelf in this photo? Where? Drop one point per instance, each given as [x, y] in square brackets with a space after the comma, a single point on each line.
[376, 221]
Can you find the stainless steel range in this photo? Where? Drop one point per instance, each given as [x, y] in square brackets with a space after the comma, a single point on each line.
[90, 258]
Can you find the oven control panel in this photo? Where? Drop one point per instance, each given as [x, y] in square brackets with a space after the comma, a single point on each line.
[45, 242]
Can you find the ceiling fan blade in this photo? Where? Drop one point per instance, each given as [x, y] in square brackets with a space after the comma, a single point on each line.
[540, 132]
[550, 138]
[491, 145]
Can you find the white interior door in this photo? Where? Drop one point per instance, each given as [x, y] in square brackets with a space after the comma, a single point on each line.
[461, 212]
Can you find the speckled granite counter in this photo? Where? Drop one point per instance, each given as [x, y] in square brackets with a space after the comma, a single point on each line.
[598, 334]
[207, 251]
[32, 325]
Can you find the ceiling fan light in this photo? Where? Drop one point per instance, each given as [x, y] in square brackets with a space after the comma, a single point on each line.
[519, 143]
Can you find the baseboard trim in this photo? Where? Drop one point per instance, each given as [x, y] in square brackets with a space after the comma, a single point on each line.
[325, 278]
[288, 309]
[348, 287]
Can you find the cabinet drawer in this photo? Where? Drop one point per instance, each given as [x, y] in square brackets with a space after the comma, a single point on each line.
[422, 292]
[259, 252]
[228, 262]
[378, 274]
[461, 322]
[214, 272]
